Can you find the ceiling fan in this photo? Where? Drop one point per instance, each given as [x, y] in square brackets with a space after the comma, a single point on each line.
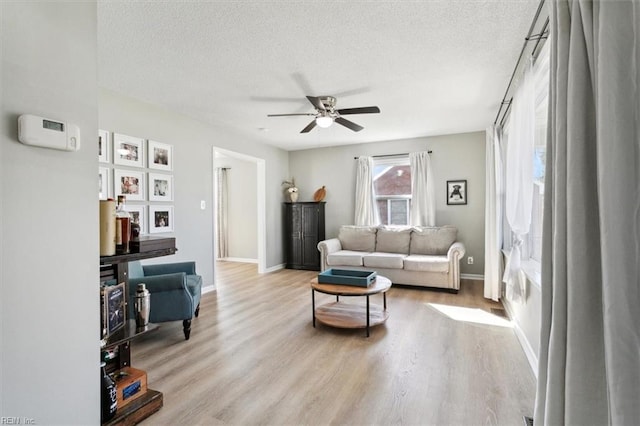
[326, 113]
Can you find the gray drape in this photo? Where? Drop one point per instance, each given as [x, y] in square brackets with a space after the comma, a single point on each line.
[222, 203]
[589, 364]
[366, 212]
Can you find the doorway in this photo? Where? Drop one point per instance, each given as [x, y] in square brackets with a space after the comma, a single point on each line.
[245, 209]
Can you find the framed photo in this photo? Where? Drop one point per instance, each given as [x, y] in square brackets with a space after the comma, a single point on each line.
[161, 219]
[456, 192]
[128, 150]
[104, 147]
[104, 188]
[113, 305]
[138, 215]
[160, 156]
[160, 187]
[129, 183]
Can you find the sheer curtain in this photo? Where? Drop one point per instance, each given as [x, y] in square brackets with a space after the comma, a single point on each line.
[589, 363]
[519, 177]
[222, 203]
[366, 211]
[423, 199]
[493, 215]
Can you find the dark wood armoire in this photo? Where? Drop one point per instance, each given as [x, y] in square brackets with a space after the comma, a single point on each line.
[303, 230]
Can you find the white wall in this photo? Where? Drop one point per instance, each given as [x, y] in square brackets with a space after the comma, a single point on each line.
[242, 207]
[526, 317]
[459, 156]
[49, 274]
[193, 143]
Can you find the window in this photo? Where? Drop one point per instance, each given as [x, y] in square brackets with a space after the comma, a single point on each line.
[392, 186]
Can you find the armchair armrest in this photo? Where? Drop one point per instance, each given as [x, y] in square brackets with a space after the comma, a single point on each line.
[327, 247]
[159, 283]
[188, 268]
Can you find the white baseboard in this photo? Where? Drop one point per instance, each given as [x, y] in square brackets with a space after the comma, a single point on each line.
[275, 268]
[208, 289]
[532, 358]
[239, 259]
[472, 277]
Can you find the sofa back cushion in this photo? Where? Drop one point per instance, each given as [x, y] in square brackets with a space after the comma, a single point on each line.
[358, 238]
[393, 240]
[433, 240]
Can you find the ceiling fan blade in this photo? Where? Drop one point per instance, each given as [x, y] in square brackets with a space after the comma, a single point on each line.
[350, 124]
[309, 127]
[315, 101]
[361, 110]
[287, 115]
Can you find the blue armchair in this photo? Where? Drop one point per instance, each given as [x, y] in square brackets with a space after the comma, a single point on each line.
[175, 291]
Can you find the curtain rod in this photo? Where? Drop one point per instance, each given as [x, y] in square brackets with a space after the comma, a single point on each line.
[530, 37]
[390, 155]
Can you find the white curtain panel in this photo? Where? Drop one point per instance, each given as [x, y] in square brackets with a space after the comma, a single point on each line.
[589, 363]
[519, 177]
[493, 215]
[366, 212]
[423, 198]
[222, 203]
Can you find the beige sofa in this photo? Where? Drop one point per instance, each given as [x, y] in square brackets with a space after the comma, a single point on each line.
[419, 255]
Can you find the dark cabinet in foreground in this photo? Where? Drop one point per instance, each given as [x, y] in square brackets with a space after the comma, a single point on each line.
[303, 230]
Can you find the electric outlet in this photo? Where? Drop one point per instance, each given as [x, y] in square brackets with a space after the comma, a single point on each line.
[470, 260]
[203, 205]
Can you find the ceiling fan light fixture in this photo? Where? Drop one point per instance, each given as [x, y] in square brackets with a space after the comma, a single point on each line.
[324, 121]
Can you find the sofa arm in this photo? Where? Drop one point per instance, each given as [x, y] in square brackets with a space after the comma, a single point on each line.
[456, 251]
[188, 268]
[327, 247]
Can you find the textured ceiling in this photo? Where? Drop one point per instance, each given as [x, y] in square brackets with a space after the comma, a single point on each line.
[433, 67]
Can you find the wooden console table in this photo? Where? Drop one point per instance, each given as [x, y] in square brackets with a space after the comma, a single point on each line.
[117, 268]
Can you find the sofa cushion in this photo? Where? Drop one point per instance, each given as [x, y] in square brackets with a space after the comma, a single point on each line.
[426, 263]
[432, 240]
[345, 258]
[393, 239]
[383, 260]
[358, 238]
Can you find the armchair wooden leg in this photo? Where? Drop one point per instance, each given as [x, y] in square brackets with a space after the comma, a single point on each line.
[197, 312]
[186, 325]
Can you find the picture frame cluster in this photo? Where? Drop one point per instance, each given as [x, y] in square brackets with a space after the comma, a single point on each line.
[140, 169]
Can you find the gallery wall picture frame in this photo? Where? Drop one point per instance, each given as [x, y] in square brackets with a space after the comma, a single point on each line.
[104, 183]
[128, 150]
[160, 187]
[161, 219]
[457, 192]
[104, 146]
[160, 156]
[129, 183]
[138, 215]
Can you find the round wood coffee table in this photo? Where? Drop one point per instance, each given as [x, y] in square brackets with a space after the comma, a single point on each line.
[345, 315]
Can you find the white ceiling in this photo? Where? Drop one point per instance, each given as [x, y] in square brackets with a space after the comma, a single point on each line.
[433, 67]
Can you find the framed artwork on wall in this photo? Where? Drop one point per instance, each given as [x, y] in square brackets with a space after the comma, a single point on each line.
[456, 192]
[129, 183]
[128, 150]
[104, 147]
[104, 189]
[160, 187]
[139, 216]
[161, 219]
[160, 156]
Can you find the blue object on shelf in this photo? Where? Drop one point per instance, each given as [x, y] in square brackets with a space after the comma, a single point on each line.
[347, 277]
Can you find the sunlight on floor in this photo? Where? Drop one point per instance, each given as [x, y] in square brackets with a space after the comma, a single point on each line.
[477, 316]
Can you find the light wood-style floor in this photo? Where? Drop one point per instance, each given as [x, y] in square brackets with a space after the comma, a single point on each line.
[254, 358]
